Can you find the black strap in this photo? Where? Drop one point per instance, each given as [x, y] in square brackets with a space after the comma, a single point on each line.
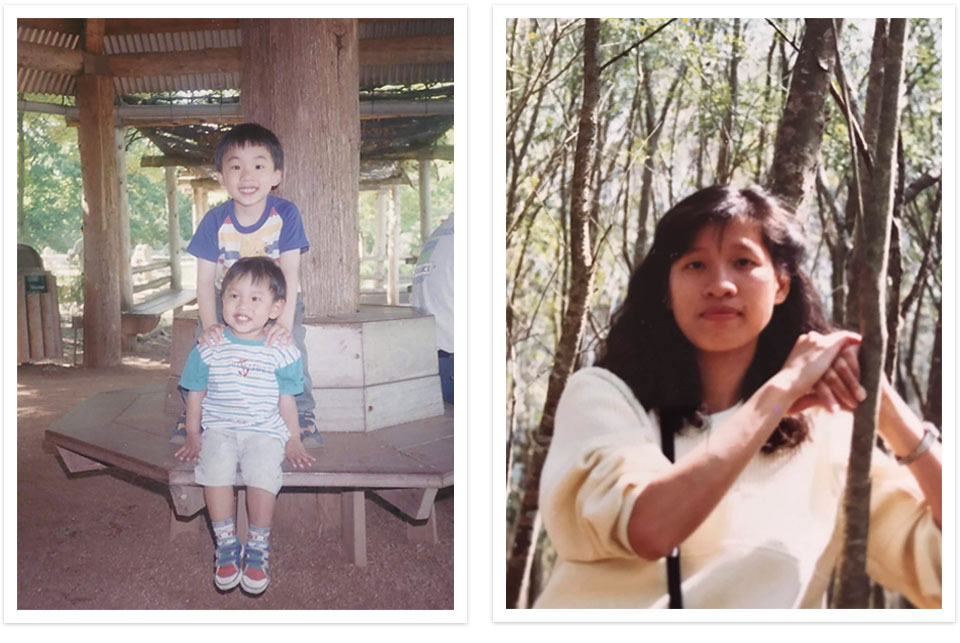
[673, 558]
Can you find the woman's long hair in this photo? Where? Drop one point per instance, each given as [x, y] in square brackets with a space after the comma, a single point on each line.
[647, 350]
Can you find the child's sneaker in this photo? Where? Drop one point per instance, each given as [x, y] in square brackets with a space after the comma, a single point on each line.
[256, 574]
[227, 574]
[309, 433]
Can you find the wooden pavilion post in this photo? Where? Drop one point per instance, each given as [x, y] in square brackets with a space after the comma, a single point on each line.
[393, 264]
[426, 225]
[101, 213]
[199, 202]
[301, 79]
[173, 228]
[126, 270]
[379, 241]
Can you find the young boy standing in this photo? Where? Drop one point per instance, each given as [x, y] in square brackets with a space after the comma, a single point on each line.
[242, 391]
[253, 222]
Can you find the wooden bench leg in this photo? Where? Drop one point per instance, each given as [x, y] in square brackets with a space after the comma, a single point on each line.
[424, 531]
[187, 503]
[354, 526]
[179, 525]
[76, 463]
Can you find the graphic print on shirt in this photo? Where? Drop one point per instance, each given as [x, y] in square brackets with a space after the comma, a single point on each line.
[243, 369]
[263, 242]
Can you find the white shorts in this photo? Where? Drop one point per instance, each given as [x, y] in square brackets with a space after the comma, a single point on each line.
[259, 455]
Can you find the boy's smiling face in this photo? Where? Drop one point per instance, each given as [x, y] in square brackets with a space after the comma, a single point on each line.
[248, 306]
[248, 174]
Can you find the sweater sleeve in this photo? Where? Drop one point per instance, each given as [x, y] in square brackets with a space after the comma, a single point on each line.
[604, 451]
[904, 546]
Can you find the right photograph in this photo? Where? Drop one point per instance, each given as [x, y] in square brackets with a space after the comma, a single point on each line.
[724, 313]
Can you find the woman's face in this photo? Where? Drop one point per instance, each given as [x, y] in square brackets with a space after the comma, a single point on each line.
[723, 289]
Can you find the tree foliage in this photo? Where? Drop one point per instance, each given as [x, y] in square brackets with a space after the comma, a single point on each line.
[668, 108]
[53, 190]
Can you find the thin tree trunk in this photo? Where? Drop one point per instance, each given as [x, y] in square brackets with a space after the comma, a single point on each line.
[724, 162]
[912, 350]
[800, 130]
[871, 120]
[895, 272]
[933, 409]
[762, 145]
[518, 562]
[917, 289]
[654, 129]
[853, 582]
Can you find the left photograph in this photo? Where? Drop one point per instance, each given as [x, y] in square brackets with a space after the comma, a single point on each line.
[235, 314]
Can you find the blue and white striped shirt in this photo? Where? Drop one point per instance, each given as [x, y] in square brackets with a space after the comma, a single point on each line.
[243, 380]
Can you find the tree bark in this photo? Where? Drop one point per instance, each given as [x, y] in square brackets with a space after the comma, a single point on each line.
[301, 80]
[871, 121]
[933, 408]
[519, 559]
[762, 144]
[895, 271]
[724, 161]
[654, 129]
[800, 130]
[853, 583]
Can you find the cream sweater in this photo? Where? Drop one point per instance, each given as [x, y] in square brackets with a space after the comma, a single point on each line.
[771, 542]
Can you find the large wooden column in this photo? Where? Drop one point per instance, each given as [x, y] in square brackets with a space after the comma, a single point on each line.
[301, 79]
[101, 221]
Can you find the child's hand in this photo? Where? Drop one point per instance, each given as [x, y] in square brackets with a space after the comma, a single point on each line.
[212, 335]
[190, 451]
[297, 455]
[278, 336]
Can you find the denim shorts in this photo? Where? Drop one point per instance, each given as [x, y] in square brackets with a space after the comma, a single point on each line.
[259, 455]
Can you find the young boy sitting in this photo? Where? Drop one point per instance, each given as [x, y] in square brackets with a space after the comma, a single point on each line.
[253, 222]
[242, 391]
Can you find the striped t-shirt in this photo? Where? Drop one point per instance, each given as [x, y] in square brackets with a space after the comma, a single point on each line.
[243, 379]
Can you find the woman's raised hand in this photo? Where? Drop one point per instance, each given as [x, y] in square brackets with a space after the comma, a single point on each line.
[823, 370]
[840, 385]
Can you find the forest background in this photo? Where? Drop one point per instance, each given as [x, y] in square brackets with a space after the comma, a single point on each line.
[681, 104]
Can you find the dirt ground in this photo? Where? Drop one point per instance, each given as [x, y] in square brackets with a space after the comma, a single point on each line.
[101, 540]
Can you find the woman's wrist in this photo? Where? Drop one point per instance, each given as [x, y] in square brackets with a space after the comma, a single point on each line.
[901, 429]
[780, 394]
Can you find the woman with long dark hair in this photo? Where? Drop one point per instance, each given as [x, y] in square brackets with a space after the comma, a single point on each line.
[703, 458]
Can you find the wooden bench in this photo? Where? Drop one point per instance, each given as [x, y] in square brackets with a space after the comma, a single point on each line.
[405, 465]
[143, 317]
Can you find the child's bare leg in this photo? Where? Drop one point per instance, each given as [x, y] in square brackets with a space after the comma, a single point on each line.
[260, 504]
[220, 503]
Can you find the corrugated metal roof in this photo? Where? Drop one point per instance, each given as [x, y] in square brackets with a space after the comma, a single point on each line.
[371, 76]
[43, 82]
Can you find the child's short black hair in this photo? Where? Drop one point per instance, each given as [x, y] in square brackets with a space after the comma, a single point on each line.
[258, 269]
[249, 134]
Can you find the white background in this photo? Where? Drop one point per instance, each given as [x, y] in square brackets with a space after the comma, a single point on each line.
[480, 430]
